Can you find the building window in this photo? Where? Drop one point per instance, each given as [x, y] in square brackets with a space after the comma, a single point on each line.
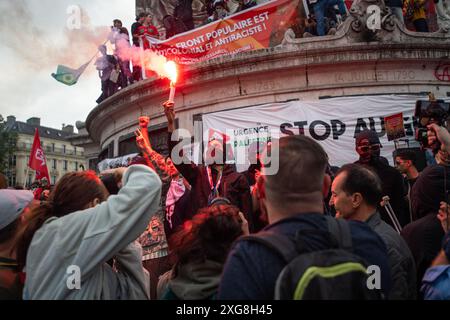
[12, 180]
[12, 160]
[64, 148]
[75, 150]
[53, 147]
[53, 180]
[76, 166]
[54, 164]
[30, 179]
[65, 164]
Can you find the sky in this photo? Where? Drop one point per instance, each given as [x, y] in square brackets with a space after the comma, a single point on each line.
[35, 39]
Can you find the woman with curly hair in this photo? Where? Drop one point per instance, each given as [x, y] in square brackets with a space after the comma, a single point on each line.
[201, 249]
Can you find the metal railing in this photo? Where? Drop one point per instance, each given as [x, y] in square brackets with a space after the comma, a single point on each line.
[23, 146]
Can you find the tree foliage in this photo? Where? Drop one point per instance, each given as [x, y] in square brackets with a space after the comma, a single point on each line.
[8, 145]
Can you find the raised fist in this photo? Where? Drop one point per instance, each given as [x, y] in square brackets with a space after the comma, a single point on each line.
[144, 121]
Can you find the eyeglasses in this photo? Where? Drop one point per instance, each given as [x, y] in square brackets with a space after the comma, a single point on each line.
[372, 147]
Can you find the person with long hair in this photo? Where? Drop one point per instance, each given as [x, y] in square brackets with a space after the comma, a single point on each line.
[201, 248]
[66, 246]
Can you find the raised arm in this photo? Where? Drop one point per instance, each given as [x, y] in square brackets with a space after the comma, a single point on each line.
[156, 160]
[188, 169]
[91, 237]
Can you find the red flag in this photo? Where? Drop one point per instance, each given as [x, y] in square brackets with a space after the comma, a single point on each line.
[37, 159]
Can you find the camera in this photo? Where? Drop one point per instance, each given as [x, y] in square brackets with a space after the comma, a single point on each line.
[428, 112]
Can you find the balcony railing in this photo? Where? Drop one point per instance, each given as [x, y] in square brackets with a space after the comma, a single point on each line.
[50, 150]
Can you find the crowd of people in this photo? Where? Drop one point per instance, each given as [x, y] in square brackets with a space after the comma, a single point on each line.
[324, 18]
[176, 230]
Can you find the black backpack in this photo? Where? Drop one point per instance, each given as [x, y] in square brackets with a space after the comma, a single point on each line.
[330, 274]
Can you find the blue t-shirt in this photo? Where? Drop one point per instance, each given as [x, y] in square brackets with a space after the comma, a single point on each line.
[251, 269]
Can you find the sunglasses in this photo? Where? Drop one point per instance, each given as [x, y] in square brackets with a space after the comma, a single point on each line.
[373, 147]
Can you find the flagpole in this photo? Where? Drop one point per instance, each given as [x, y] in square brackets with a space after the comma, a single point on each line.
[95, 55]
[141, 54]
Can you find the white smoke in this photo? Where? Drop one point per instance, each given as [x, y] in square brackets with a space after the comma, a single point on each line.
[147, 59]
[36, 47]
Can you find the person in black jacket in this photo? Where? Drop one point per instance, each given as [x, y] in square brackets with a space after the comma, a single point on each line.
[214, 179]
[424, 235]
[368, 147]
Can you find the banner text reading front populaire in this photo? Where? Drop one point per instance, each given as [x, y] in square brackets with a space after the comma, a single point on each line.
[259, 27]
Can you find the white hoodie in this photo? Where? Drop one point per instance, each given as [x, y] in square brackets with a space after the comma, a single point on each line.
[87, 239]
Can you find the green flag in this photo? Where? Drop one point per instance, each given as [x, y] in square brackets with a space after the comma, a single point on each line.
[69, 76]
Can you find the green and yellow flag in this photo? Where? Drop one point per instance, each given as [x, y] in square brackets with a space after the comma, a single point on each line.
[67, 75]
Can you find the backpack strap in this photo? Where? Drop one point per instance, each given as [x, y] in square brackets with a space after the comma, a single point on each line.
[340, 229]
[286, 247]
[278, 243]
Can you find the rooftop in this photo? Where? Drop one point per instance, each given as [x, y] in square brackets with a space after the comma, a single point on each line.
[30, 126]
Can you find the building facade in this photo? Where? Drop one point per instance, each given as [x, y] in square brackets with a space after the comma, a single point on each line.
[61, 155]
[355, 61]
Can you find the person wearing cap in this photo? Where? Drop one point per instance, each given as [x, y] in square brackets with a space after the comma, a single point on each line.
[368, 148]
[14, 206]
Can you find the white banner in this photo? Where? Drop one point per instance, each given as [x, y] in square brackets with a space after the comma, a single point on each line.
[331, 122]
[124, 161]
